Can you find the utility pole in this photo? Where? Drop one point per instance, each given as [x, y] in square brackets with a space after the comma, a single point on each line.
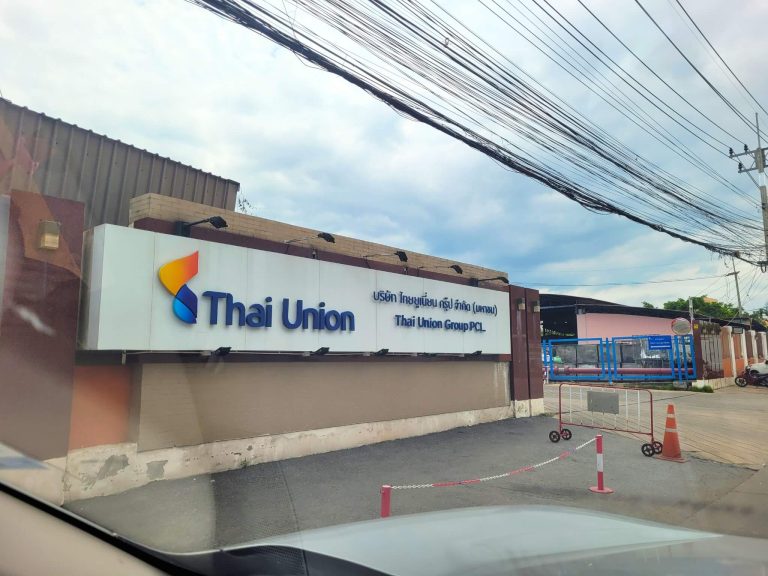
[735, 275]
[758, 156]
[690, 309]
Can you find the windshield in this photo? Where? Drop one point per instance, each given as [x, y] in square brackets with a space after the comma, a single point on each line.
[272, 267]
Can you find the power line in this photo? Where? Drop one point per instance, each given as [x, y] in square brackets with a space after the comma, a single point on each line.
[632, 283]
[637, 86]
[427, 70]
[707, 117]
[701, 164]
[720, 57]
[695, 69]
[619, 100]
[709, 287]
[618, 268]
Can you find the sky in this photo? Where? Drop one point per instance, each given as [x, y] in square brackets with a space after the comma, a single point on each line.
[312, 150]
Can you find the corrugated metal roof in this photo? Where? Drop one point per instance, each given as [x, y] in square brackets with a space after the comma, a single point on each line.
[43, 154]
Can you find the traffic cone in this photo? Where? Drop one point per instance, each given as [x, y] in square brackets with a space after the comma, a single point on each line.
[671, 450]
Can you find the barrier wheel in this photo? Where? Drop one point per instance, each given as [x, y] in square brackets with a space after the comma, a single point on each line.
[565, 434]
[554, 436]
[657, 447]
[647, 450]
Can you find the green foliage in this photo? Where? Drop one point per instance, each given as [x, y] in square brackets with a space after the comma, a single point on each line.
[648, 305]
[721, 310]
[761, 315]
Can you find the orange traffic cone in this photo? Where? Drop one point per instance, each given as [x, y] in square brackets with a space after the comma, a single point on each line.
[671, 450]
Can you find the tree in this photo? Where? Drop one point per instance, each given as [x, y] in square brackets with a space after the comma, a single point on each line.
[648, 305]
[761, 315]
[701, 307]
[244, 206]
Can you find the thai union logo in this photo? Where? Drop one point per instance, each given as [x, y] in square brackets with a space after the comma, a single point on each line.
[174, 276]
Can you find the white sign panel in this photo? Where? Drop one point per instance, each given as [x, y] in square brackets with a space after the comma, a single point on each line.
[156, 292]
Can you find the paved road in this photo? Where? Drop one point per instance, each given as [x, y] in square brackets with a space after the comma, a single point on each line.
[326, 489]
[729, 426]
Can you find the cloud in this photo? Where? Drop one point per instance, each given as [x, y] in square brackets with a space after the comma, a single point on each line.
[312, 150]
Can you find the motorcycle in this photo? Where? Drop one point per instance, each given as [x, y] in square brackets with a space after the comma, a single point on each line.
[754, 375]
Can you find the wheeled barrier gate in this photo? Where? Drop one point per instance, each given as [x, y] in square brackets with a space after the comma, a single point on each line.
[606, 408]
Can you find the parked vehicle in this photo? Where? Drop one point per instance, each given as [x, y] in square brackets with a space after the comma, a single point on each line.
[755, 375]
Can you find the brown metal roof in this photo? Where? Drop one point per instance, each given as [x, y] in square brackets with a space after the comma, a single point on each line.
[46, 155]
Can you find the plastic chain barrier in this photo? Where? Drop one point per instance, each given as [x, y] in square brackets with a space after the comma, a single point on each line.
[386, 490]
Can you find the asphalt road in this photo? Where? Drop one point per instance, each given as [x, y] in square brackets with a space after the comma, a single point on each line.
[326, 489]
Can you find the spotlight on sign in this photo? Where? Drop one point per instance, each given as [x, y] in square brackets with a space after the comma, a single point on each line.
[476, 281]
[455, 267]
[322, 235]
[402, 256]
[320, 351]
[476, 353]
[182, 228]
[222, 351]
[382, 352]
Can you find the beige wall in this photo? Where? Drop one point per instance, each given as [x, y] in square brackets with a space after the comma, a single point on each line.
[187, 404]
[171, 209]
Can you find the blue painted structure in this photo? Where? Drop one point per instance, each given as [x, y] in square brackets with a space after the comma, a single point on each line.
[622, 358]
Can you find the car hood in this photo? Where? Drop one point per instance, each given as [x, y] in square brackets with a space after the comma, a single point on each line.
[493, 540]
[520, 540]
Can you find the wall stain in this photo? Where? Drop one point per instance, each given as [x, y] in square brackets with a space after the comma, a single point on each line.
[111, 467]
[156, 469]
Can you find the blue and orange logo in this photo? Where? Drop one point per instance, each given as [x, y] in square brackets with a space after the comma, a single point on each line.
[174, 276]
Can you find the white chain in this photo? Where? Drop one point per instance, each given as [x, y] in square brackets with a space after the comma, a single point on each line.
[497, 476]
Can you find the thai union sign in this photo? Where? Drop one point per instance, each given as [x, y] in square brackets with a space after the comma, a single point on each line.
[155, 292]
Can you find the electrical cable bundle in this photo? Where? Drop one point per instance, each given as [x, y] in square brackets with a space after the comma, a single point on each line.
[428, 65]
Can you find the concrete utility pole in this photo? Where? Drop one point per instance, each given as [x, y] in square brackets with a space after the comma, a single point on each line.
[758, 156]
[690, 309]
[735, 275]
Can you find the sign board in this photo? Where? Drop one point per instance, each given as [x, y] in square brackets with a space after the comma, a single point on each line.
[659, 342]
[156, 292]
[605, 402]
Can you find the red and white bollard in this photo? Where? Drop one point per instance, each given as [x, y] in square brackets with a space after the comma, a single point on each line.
[600, 488]
[386, 500]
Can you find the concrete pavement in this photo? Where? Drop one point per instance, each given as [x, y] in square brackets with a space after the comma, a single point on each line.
[728, 426]
[338, 487]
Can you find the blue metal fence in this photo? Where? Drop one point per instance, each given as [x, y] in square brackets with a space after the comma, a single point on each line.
[624, 358]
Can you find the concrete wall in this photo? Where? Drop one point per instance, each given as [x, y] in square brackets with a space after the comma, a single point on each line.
[729, 352]
[138, 423]
[739, 352]
[188, 404]
[112, 468]
[714, 383]
[101, 406]
[763, 345]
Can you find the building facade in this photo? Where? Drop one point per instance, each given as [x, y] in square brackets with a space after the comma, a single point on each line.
[149, 351]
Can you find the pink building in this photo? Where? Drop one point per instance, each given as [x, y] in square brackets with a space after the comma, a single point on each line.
[599, 325]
